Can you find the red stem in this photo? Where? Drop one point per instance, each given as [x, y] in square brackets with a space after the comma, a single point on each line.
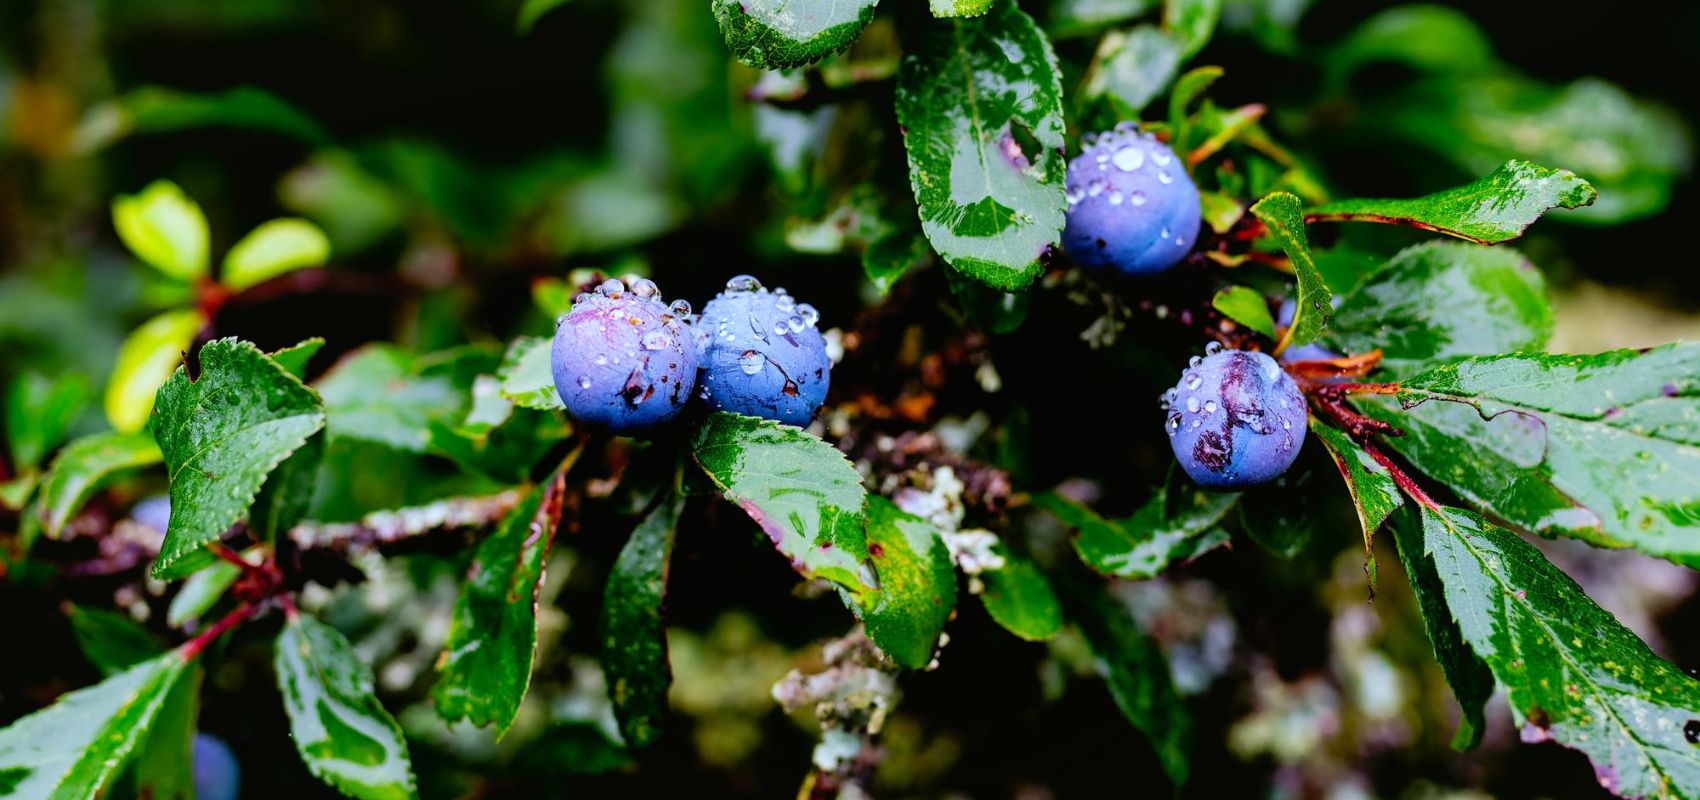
[235, 558]
[1406, 483]
[202, 640]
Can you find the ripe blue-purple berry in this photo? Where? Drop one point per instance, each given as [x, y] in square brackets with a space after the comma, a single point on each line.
[625, 361]
[217, 775]
[1307, 352]
[1132, 208]
[762, 355]
[1236, 419]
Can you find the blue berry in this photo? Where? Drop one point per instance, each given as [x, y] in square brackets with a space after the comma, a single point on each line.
[624, 361]
[1236, 419]
[217, 775]
[1308, 352]
[1132, 208]
[761, 354]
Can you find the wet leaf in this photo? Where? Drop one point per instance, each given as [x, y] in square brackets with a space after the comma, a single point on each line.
[917, 584]
[1572, 673]
[1374, 494]
[145, 361]
[202, 590]
[1441, 301]
[84, 466]
[1020, 598]
[1177, 524]
[1280, 213]
[1132, 68]
[980, 104]
[960, 8]
[1544, 442]
[802, 491]
[381, 394]
[1432, 38]
[782, 34]
[295, 357]
[341, 731]
[1067, 18]
[1191, 22]
[1495, 209]
[165, 765]
[74, 748]
[39, 411]
[486, 665]
[274, 248]
[221, 435]
[1468, 675]
[634, 634]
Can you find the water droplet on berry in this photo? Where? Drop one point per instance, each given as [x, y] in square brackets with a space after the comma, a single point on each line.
[680, 308]
[644, 288]
[750, 362]
[1161, 157]
[560, 320]
[1194, 382]
[1095, 188]
[601, 361]
[1116, 198]
[1075, 196]
[654, 340]
[808, 313]
[779, 328]
[580, 298]
[1180, 241]
[1194, 361]
[584, 382]
[742, 283]
[1212, 348]
[1137, 198]
[611, 288]
[1174, 424]
[783, 301]
[1210, 406]
[1129, 159]
[1163, 234]
[795, 324]
[1164, 177]
[1192, 405]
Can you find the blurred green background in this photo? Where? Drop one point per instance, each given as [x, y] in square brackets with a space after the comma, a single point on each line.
[458, 152]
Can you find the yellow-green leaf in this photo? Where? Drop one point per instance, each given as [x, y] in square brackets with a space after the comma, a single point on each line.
[274, 248]
[145, 360]
[164, 228]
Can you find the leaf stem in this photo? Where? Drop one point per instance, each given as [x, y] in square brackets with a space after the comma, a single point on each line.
[194, 647]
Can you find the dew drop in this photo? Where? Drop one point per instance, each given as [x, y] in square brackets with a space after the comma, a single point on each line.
[1116, 198]
[1286, 424]
[808, 313]
[584, 382]
[581, 297]
[779, 328]
[1129, 159]
[1192, 405]
[750, 362]
[680, 308]
[1196, 423]
[654, 340]
[1163, 234]
[1180, 241]
[1164, 177]
[560, 320]
[1161, 157]
[1095, 188]
[611, 288]
[601, 361]
[1194, 382]
[1137, 198]
[1194, 361]
[1691, 731]
[1174, 424]
[795, 324]
[1210, 406]
[1075, 196]
[742, 283]
[783, 301]
[644, 288]
[1212, 348]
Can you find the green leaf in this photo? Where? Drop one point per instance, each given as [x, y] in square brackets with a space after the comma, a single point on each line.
[1177, 524]
[486, 665]
[145, 360]
[1138, 677]
[380, 394]
[1067, 18]
[340, 729]
[1132, 68]
[945, 9]
[802, 491]
[201, 590]
[154, 109]
[1495, 209]
[1280, 213]
[73, 748]
[496, 439]
[980, 105]
[634, 635]
[221, 435]
[892, 254]
[1635, 152]
[295, 357]
[1431, 38]
[1192, 22]
[1469, 676]
[532, 11]
[164, 228]
[1571, 672]
[112, 641]
[39, 410]
[1189, 87]
[782, 34]
[165, 766]
[287, 494]
[1020, 598]
[1247, 307]
[1374, 494]
[84, 466]
[917, 584]
[1544, 442]
[1441, 301]
[528, 377]
[274, 248]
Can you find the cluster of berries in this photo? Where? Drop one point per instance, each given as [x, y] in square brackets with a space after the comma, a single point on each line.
[1235, 418]
[626, 361]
